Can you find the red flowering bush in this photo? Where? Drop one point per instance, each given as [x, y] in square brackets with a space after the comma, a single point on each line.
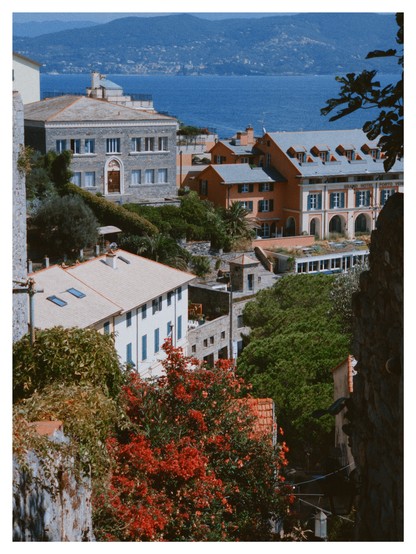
[190, 468]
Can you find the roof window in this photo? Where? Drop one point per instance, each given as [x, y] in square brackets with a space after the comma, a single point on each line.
[76, 293]
[58, 301]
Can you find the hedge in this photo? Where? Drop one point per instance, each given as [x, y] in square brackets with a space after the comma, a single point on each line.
[109, 213]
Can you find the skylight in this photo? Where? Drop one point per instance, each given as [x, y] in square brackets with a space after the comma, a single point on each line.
[57, 301]
[76, 292]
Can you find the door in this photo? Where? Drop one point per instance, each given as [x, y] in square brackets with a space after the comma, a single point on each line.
[113, 181]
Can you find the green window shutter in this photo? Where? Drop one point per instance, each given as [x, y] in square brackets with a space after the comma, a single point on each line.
[319, 201]
[342, 200]
[309, 202]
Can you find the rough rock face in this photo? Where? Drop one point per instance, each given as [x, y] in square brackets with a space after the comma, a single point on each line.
[49, 503]
[377, 402]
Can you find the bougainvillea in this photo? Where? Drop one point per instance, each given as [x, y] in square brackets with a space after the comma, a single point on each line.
[191, 468]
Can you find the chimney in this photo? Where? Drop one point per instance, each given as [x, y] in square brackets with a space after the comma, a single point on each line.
[95, 80]
[250, 135]
[111, 259]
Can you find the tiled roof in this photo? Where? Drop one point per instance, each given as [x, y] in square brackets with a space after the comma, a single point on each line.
[108, 291]
[265, 422]
[78, 312]
[244, 260]
[238, 149]
[350, 139]
[82, 108]
[135, 281]
[241, 173]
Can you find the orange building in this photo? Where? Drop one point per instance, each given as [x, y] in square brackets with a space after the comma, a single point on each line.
[259, 191]
[335, 180]
[238, 149]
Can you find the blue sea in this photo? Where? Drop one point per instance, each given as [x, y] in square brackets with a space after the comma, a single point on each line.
[231, 103]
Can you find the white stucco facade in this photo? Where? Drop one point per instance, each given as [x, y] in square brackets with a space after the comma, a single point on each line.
[26, 78]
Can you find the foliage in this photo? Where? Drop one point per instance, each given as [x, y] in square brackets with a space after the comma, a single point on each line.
[361, 92]
[109, 213]
[344, 286]
[237, 224]
[160, 248]
[45, 174]
[67, 356]
[292, 346]
[192, 468]
[89, 417]
[200, 265]
[66, 224]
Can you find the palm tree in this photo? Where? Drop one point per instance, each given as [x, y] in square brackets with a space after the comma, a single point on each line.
[163, 249]
[237, 223]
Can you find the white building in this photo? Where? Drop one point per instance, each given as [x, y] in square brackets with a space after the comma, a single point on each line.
[26, 78]
[141, 301]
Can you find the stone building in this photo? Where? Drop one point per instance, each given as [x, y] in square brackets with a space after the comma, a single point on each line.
[20, 306]
[126, 154]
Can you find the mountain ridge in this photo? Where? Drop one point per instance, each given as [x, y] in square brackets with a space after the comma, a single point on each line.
[303, 43]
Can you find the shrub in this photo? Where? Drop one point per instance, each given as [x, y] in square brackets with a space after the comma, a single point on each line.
[68, 356]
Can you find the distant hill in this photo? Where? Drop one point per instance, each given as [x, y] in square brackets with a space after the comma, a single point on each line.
[316, 43]
[37, 28]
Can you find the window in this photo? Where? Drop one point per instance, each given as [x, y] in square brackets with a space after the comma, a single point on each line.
[362, 198]
[157, 346]
[60, 146]
[179, 291]
[336, 200]
[240, 322]
[375, 153]
[219, 159]
[144, 311]
[205, 342]
[129, 353]
[246, 187]
[128, 319]
[169, 297]
[155, 305]
[223, 334]
[247, 205]
[203, 188]
[265, 187]
[385, 195]
[179, 327]
[89, 179]
[144, 347]
[265, 205]
[149, 144]
[162, 175]
[113, 145]
[136, 144]
[149, 176]
[264, 230]
[136, 176]
[89, 146]
[324, 156]
[350, 155]
[160, 303]
[193, 348]
[301, 157]
[245, 160]
[163, 143]
[314, 201]
[77, 293]
[107, 328]
[76, 178]
[58, 301]
[168, 328]
[268, 160]
[211, 340]
[75, 146]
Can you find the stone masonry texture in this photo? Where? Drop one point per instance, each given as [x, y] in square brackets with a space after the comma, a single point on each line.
[20, 301]
[376, 413]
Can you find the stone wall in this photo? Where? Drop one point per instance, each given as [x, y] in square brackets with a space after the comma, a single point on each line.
[49, 503]
[20, 301]
[376, 413]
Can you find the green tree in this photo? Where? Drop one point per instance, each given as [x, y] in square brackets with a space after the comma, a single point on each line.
[200, 265]
[66, 224]
[237, 223]
[362, 92]
[160, 248]
[292, 347]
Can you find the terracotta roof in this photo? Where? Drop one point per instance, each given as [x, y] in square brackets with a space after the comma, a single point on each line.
[265, 423]
[244, 260]
[47, 427]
